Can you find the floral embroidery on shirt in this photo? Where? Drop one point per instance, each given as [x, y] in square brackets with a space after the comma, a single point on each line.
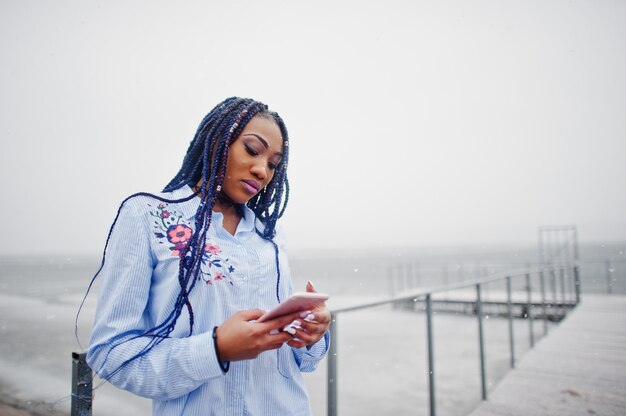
[214, 262]
[170, 227]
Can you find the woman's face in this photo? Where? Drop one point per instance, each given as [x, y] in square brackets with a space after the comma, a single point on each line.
[252, 159]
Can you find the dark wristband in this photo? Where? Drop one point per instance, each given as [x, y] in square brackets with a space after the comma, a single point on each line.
[223, 365]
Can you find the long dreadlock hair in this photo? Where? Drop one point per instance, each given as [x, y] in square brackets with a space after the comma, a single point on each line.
[205, 164]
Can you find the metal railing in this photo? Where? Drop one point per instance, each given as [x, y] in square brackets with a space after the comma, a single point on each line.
[549, 309]
[82, 382]
[606, 272]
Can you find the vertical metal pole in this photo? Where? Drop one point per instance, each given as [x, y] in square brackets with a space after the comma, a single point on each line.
[568, 282]
[577, 282]
[331, 381]
[481, 341]
[609, 277]
[529, 312]
[576, 266]
[553, 287]
[562, 281]
[542, 283]
[570, 255]
[575, 232]
[509, 307]
[82, 378]
[431, 355]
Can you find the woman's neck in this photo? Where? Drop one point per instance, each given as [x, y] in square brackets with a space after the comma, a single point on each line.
[228, 208]
[231, 214]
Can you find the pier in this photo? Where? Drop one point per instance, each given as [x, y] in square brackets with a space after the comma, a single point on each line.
[580, 369]
[576, 363]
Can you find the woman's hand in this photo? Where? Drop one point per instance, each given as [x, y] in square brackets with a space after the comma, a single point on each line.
[240, 339]
[313, 328]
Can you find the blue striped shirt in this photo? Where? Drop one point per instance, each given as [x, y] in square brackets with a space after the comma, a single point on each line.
[181, 374]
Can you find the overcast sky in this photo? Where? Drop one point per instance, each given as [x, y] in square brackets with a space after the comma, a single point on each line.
[411, 122]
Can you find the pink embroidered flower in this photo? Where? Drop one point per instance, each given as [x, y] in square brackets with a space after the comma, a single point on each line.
[178, 248]
[179, 233]
[218, 276]
[212, 248]
[165, 214]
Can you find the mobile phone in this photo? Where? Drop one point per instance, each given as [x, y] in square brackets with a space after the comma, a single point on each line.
[301, 301]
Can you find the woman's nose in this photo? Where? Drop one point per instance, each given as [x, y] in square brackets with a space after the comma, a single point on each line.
[259, 170]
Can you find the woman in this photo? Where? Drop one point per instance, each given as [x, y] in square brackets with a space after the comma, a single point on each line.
[188, 271]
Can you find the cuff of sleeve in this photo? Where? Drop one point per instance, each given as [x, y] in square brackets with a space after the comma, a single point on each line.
[319, 349]
[203, 357]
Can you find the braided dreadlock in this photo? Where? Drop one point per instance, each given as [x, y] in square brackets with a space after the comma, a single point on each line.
[205, 164]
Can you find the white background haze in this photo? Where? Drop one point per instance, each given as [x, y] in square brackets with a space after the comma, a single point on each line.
[411, 122]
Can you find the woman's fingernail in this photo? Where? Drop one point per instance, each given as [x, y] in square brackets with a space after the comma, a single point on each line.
[274, 331]
[310, 317]
[304, 314]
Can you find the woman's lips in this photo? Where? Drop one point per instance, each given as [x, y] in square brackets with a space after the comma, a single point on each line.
[251, 186]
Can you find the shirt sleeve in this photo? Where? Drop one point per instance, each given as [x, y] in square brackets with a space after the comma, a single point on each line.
[121, 351]
[309, 358]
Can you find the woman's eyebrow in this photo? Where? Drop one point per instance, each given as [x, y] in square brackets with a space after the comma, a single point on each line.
[263, 141]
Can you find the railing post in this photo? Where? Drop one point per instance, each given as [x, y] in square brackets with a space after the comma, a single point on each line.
[82, 378]
[509, 308]
[331, 385]
[431, 357]
[569, 283]
[542, 283]
[553, 288]
[529, 314]
[609, 277]
[577, 282]
[479, 314]
[562, 280]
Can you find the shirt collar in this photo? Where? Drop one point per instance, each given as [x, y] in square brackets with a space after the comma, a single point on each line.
[188, 208]
[247, 220]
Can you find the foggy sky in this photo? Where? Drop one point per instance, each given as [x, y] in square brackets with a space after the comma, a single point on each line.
[411, 122]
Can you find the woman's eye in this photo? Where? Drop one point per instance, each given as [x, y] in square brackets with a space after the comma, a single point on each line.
[271, 165]
[251, 151]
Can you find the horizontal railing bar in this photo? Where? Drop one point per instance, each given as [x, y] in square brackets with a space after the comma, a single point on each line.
[446, 288]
